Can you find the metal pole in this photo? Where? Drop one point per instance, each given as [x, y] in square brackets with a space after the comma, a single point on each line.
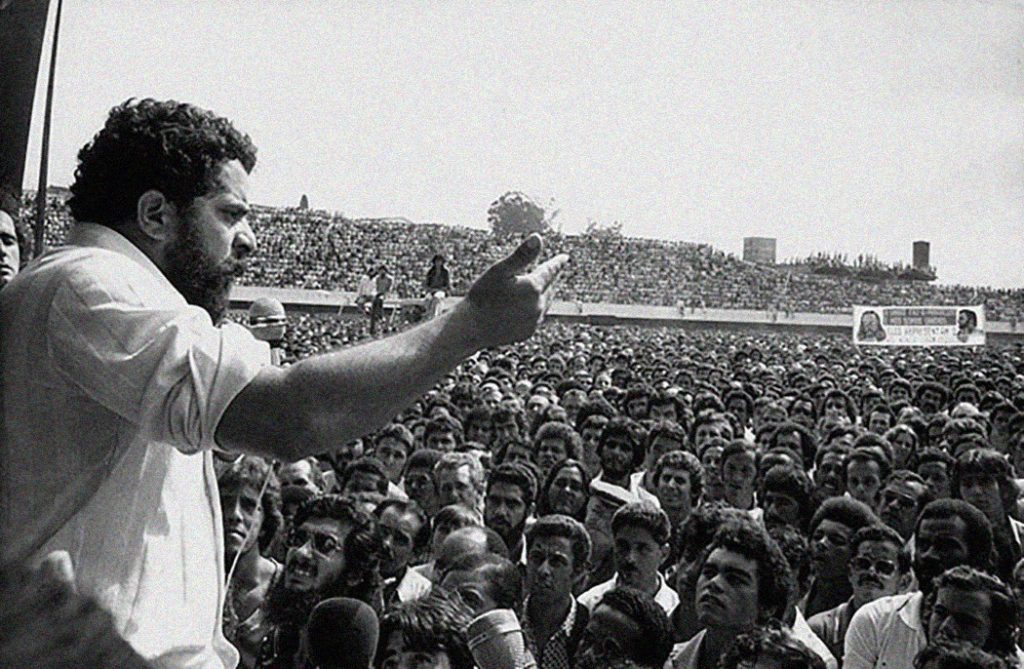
[44, 157]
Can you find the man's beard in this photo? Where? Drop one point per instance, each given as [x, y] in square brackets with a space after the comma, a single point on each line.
[202, 281]
[286, 607]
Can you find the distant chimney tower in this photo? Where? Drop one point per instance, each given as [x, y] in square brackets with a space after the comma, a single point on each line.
[303, 202]
[922, 251]
[759, 250]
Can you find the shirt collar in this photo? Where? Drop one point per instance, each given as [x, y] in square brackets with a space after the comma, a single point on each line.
[104, 237]
[910, 612]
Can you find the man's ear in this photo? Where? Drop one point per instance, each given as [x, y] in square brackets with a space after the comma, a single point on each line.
[155, 215]
[666, 550]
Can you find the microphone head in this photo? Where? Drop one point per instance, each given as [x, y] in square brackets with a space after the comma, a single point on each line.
[342, 634]
[267, 319]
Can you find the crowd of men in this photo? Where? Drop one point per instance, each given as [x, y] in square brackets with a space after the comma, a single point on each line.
[318, 250]
[564, 496]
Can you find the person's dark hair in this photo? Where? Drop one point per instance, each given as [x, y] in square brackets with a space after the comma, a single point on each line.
[699, 529]
[407, 507]
[456, 516]
[794, 546]
[563, 431]
[933, 454]
[991, 464]
[948, 654]
[478, 414]
[737, 446]
[594, 407]
[424, 458]
[436, 622]
[838, 449]
[504, 579]
[442, 424]
[935, 386]
[686, 461]
[644, 515]
[774, 579]
[808, 445]
[399, 433]
[368, 465]
[845, 511]
[770, 640]
[1004, 610]
[710, 418]
[543, 502]
[362, 549]
[623, 427]
[880, 533]
[651, 620]
[662, 397]
[669, 430]
[558, 525]
[167, 146]
[795, 484]
[850, 405]
[978, 534]
[869, 454]
[251, 471]
[517, 475]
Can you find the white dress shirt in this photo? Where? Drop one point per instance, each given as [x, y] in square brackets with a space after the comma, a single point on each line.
[112, 390]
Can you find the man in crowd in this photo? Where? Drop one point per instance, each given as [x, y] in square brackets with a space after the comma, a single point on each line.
[621, 453]
[420, 484]
[743, 581]
[890, 631]
[880, 567]
[640, 536]
[118, 330]
[678, 482]
[626, 628]
[300, 480]
[392, 446]
[975, 607]
[903, 496]
[405, 531]
[11, 240]
[832, 529]
[557, 558]
[460, 479]
[508, 502]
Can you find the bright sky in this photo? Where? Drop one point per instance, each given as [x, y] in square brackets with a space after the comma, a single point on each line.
[833, 125]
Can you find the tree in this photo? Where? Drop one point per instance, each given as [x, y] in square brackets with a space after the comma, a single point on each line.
[606, 231]
[515, 214]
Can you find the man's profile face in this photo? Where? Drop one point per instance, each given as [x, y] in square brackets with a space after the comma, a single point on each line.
[936, 475]
[316, 556]
[727, 591]
[962, 615]
[242, 516]
[550, 451]
[211, 242]
[830, 548]
[10, 252]
[940, 544]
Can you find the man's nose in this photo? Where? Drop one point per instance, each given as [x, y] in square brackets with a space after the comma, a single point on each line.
[245, 240]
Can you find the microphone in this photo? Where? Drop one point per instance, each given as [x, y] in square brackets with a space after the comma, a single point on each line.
[268, 322]
[496, 641]
[342, 634]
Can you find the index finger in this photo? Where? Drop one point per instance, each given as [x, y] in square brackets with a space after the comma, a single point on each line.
[547, 272]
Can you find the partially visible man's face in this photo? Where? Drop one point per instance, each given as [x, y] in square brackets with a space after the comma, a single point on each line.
[299, 474]
[398, 655]
[940, 544]
[962, 615]
[211, 242]
[550, 568]
[610, 636]
[637, 557]
[505, 511]
[983, 493]
[550, 451]
[392, 452]
[936, 475]
[616, 456]
[863, 479]
[829, 475]
[10, 252]
[398, 532]
[727, 591]
[899, 505]
[242, 516]
[456, 486]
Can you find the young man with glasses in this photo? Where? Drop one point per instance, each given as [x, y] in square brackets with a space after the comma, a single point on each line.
[879, 568]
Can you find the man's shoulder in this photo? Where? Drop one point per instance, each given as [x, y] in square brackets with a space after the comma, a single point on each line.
[885, 607]
[592, 596]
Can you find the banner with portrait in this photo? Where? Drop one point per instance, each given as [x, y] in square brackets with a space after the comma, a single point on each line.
[919, 326]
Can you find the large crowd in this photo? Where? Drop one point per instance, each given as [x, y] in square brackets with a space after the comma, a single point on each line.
[314, 249]
[187, 487]
[732, 496]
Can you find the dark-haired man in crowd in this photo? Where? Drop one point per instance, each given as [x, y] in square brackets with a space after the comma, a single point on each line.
[890, 631]
[334, 550]
[831, 533]
[508, 503]
[640, 536]
[626, 628]
[903, 496]
[880, 567]
[405, 531]
[984, 478]
[122, 330]
[743, 581]
[557, 558]
[973, 606]
[11, 240]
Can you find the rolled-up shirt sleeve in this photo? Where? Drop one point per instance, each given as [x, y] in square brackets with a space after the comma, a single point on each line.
[163, 367]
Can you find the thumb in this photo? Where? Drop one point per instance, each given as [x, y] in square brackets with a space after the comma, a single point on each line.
[517, 261]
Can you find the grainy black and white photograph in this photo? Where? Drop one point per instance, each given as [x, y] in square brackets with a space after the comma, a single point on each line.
[505, 334]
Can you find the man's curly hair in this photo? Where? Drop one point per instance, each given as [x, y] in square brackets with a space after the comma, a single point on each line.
[775, 582]
[436, 622]
[172, 147]
[252, 471]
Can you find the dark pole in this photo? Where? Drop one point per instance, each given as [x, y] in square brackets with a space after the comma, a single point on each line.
[44, 157]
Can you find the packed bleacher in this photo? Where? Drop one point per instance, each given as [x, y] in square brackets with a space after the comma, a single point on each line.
[313, 249]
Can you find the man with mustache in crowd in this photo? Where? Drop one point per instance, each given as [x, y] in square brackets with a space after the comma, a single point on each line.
[405, 532]
[640, 536]
[621, 453]
[334, 550]
[831, 531]
[122, 330]
[508, 503]
[880, 567]
[890, 631]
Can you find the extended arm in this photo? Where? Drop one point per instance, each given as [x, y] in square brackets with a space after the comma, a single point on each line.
[319, 403]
